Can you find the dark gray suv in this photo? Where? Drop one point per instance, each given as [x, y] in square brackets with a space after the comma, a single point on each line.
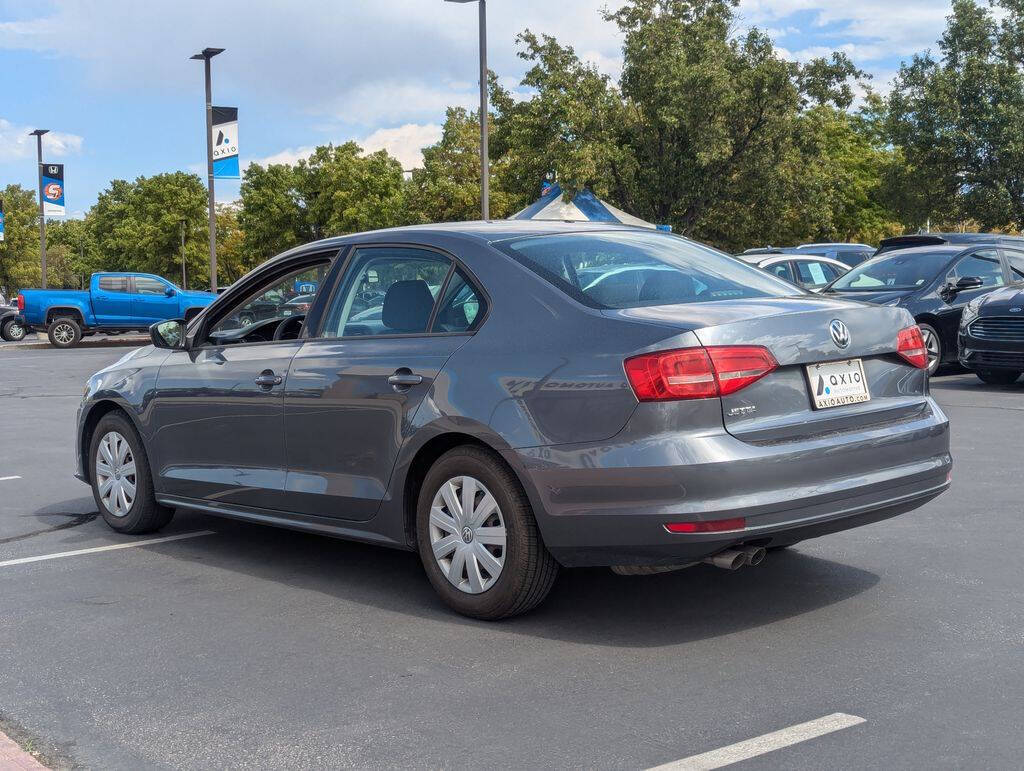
[511, 397]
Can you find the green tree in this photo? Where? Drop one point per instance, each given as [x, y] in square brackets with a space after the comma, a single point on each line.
[137, 226]
[447, 188]
[959, 120]
[20, 248]
[273, 215]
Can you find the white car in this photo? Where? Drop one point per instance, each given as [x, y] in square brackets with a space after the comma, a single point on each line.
[809, 271]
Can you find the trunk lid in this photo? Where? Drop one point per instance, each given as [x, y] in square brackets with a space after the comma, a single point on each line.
[779, 407]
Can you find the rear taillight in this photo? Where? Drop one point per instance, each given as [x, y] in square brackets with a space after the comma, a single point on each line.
[697, 373]
[714, 526]
[21, 302]
[910, 345]
[304, 307]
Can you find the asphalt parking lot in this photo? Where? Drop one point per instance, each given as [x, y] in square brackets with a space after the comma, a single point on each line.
[254, 647]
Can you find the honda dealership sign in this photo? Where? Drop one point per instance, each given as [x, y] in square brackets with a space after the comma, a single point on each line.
[225, 142]
[53, 189]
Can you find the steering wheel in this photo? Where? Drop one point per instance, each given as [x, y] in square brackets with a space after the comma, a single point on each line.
[290, 328]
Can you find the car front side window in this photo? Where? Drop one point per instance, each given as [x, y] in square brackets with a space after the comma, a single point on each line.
[271, 301]
[984, 265]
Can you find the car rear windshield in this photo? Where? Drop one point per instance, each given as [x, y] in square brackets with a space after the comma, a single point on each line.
[631, 270]
[895, 270]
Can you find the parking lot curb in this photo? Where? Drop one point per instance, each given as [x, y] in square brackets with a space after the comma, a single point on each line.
[14, 757]
[133, 342]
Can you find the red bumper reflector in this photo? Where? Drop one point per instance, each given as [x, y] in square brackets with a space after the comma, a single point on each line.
[714, 526]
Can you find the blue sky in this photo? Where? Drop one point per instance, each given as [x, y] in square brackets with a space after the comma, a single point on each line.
[112, 80]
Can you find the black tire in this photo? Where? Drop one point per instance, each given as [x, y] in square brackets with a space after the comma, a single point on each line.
[64, 332]
[529, 570]
[926, 330]
[998, 376]
[144, 515]
[12, 332]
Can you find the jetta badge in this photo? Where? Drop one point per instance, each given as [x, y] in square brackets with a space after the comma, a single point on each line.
[840, 333]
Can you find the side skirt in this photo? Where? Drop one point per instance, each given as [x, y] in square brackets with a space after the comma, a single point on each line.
[334, 528]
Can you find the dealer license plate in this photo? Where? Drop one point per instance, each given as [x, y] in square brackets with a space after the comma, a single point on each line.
[836, 383]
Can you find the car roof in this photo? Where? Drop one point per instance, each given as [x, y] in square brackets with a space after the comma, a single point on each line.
[484, 232]
[837, 244]
[949, 249]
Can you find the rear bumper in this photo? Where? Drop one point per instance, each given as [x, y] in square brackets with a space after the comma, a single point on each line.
[595, 507]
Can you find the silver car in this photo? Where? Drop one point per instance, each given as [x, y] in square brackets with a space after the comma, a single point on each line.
[531, 396]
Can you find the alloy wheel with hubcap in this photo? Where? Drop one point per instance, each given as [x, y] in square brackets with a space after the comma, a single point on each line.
[116, 474]
[467, 534]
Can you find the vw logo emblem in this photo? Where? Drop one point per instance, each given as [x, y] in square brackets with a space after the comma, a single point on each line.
[840, 333]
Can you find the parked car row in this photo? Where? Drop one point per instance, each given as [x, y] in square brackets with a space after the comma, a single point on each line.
[946, 280]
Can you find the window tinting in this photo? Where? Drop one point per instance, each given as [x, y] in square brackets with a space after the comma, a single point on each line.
[462, 307]
[151, 286]
[894, 270]
[782, 270]
[631, 270]
[387, 291]
[984, 265]
[114, 283]
[1016, 260]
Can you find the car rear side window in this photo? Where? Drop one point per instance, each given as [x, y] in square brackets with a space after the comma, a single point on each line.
[632, 269]
[114, 283]
[387, 291]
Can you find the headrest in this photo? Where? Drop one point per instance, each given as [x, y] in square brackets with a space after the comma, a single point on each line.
[407, 306]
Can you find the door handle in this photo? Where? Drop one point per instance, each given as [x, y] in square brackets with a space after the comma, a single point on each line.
[404, 378]
[267, 379]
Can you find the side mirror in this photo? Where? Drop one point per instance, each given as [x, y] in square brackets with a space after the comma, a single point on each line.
[168, 334]
[169, 292]
[969, 282]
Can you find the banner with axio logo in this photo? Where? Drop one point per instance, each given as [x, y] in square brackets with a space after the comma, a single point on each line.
[53, 189]
[225, 142]
[1, 219]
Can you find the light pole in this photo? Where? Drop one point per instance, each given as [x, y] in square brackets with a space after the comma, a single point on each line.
[485, 163]
[184, 282]
[205, 55]
[38, 134]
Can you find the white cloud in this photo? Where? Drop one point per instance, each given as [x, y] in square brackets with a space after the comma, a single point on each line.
[403, 142]
[16, 144]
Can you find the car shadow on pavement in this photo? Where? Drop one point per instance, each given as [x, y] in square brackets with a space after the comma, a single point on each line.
[592, 606]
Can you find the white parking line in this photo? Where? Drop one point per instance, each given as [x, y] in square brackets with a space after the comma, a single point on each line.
[761, 745]
[59, 555]
[8, 479]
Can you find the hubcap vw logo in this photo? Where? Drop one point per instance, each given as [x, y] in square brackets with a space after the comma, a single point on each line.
[467, 534]
[840, 333]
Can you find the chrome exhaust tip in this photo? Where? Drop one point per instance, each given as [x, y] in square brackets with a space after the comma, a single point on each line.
[730, 559]
[755, 554]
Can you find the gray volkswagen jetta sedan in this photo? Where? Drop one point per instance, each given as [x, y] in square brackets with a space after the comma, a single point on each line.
[507, 398]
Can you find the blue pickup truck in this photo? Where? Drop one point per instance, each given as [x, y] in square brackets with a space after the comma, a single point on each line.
[115, 302]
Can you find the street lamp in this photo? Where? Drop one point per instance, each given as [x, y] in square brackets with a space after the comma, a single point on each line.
[38, 134]
[485, 163]
[205, 55]
[184, 282]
